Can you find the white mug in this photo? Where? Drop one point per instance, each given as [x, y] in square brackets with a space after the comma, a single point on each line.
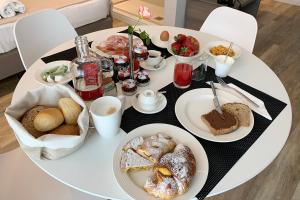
[222, 67]
[107, 113]
[148, 99]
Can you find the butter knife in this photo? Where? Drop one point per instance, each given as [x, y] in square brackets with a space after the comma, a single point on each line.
[216, 100]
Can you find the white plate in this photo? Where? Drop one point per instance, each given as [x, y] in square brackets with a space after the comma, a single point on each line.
[132, 182]
[95, 43]
[161, 105]
[144, 65]
[194, 103]
[157, 42]
[67, 77]
[237, 50]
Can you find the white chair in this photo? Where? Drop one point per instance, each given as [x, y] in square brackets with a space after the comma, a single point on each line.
[39, 32]
[232, 25]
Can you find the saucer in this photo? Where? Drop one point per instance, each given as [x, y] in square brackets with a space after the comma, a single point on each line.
[159, 43]
[144, 65]
[161, 104]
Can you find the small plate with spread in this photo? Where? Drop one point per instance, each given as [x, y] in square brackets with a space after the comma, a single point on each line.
[193, 104]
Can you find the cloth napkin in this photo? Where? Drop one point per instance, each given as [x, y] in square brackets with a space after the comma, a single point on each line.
[260, 110]
[9, 8]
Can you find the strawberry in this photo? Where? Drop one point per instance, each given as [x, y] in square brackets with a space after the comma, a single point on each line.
[176, 47]
[186, 51]
[192, 43]
[180, 38]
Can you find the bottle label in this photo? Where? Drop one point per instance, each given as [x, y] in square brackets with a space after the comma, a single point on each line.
[90, 73]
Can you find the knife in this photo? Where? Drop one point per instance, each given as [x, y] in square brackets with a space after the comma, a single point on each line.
[216, 100]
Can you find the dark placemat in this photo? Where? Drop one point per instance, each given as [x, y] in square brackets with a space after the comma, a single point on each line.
[71, 53]
[68, 54]
[221, 156]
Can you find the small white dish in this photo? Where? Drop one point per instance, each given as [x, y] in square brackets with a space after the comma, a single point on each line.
[66, 78]
[132, 182]
[237, 50]
[151, 67]
[160, 105]
[158, 42]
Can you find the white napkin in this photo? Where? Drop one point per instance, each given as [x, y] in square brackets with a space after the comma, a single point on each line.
[9, 8]
[260, 110]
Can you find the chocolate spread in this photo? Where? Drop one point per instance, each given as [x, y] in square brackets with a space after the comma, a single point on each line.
[217, 122]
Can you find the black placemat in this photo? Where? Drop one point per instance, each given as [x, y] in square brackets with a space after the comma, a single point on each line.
[221, 156]
[68, 54]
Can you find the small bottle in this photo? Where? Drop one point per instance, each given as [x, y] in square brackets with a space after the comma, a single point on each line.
[87, 72]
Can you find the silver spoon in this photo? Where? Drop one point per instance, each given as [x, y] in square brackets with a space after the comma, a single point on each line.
[229, 48]
[158, 65]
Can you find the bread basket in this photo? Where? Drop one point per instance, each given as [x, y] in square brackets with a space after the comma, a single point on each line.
[48, 146]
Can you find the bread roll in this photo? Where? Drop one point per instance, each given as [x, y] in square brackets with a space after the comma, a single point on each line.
[48, 119]
[70, 109]
[28, 118]
[66, 129]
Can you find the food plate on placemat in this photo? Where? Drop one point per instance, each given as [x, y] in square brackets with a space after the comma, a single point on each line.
[114, 45]
[133, 181]
[193, 104]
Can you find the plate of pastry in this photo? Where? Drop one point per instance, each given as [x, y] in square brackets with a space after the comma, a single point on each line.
[196, 112]
[160, 161]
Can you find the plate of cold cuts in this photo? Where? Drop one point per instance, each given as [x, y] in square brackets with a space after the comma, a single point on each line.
[115, 45]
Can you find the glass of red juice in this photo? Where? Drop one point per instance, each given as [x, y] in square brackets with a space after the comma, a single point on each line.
[183, 75]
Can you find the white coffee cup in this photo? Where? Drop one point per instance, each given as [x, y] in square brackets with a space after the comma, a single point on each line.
[148, 99]
[154, 57]
[222, 67]
[107, 113]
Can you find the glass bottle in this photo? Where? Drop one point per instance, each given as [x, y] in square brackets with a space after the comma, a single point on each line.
[87, 71]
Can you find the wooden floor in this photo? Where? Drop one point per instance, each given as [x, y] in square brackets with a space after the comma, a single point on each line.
[278, 45]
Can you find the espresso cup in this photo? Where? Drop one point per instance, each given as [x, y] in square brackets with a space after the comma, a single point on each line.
[148, 99]
[107, 113]
[154, 57]
[223, 65]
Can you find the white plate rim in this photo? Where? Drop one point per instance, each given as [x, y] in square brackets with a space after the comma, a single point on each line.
[162, 65]
[99, 52]
[240, 133]
[237, 49]
[50, 65]
[200, 155]
[161, 106]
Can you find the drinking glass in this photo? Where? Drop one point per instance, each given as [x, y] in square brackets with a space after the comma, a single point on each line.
[183, 74]
[200, 73]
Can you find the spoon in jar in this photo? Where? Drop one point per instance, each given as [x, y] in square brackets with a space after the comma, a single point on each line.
[228, 51]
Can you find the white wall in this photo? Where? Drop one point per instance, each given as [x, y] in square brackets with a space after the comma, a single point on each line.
[174, 12]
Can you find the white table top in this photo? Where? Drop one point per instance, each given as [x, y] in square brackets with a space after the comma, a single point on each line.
[90, 168]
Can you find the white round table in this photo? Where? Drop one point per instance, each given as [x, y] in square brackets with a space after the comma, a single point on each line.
[90, 168]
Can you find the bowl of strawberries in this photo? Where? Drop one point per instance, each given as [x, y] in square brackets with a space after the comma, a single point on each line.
[184, 48]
